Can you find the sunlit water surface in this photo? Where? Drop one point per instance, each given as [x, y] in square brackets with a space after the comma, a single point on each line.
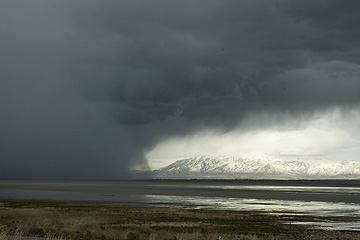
[340, 203]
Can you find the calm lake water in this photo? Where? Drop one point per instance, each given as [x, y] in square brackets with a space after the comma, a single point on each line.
[338, 199]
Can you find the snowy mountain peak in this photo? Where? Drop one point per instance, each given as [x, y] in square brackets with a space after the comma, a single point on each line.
[255, 167]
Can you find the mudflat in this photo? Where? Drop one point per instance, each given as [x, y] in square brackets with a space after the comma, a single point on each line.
[131, 221]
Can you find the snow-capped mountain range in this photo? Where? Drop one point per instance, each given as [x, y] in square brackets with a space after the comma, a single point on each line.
[258, 167]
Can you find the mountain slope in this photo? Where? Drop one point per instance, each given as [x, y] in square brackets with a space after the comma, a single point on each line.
[255, 167]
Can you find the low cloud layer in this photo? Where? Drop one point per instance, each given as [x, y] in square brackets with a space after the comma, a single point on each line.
[87, 88]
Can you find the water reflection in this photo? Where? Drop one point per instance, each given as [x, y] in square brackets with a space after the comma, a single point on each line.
[329, 200]
[313, 189]
[278, 207]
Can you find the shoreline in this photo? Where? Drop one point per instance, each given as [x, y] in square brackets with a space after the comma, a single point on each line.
[104, 220]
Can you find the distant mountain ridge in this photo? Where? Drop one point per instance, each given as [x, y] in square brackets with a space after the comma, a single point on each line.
[258, 167]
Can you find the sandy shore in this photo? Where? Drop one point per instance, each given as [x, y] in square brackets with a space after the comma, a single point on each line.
[83, 220]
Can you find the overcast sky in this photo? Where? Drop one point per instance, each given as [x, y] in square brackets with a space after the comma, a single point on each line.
[90, 89]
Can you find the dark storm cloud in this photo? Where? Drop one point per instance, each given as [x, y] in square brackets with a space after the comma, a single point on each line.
[87, 87]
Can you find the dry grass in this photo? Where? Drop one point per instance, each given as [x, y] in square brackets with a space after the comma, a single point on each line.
[97, 221]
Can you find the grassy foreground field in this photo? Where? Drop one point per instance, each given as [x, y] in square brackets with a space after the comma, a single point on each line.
[71, 220]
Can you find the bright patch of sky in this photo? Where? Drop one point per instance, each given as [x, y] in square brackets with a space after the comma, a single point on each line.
[332, 135]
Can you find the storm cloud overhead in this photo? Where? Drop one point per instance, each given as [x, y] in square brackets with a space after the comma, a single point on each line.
[88, 88]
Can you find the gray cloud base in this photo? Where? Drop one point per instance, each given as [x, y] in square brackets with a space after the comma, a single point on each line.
[87, 87]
